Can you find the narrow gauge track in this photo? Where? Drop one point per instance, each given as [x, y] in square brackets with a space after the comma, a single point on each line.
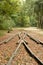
[10, 38]
[13, 54]
[32, 54]
[23, 41]
[34, 39]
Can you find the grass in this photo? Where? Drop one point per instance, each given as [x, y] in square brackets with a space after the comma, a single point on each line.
[2, 32]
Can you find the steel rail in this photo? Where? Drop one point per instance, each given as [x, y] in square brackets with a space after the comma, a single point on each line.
[34, 39]
[33, 55]
[7, 40]
[22, 38]
[14, 53]
[12, 37]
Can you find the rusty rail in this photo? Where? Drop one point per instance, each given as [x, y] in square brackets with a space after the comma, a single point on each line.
[34, 39]
[9, 39]
[33, 55]
[14, 54]
[22, 40]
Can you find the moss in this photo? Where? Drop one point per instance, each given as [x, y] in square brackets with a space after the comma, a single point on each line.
[2, 32]
[7, 58]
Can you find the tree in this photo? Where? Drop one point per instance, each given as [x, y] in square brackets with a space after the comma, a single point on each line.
[39, 12]
[7, 9]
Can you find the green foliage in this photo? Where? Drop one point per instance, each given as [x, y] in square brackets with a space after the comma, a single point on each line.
[39, 12]
[33, 21]
[2, 32]
[22, 14]
[6, 22]
[7, 9]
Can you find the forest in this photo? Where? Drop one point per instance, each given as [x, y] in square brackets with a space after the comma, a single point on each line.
[21, 32]
[21, 13]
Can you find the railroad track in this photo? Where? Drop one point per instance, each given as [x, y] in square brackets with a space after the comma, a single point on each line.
[32, 54]
[34, 39]
[10, 38]
[23, 41]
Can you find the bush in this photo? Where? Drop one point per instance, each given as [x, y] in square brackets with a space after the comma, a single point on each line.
[33, 21]
[6, 23]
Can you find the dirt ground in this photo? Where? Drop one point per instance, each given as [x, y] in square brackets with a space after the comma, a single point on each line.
[22, 58]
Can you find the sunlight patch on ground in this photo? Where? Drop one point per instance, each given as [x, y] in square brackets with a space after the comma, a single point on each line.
[34, 29]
